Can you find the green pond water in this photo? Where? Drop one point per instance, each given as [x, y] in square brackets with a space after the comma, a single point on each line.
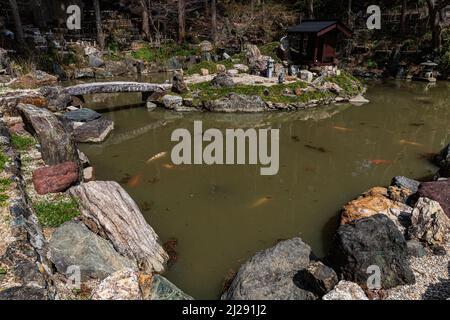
[222, 215]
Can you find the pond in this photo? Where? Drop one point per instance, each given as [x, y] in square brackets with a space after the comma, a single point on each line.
[222, 215]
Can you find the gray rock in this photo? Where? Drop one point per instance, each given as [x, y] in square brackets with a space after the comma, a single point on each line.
[151, 106]
[222, 80]
[163, 289]
[404, 182]
[415, 249]
[359, 100]
[429, 222]
[372, 241]
[172, 101]
[237, 103]
[95, 131]
[73, 244]
[57, 144]
[57, 98]
[346, 290]
[270, 274]
[178, 84]
[206, 46]
[23, 293]
[443, 161]
[84, 73]
[319, 278]
[173, 64]
[95, 62]
[82, 115]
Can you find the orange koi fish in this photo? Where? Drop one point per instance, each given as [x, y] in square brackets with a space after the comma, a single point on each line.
[411, 143]
[157, 156]
[343, 129]
[134, 181]
[261, 201]
[380, 161]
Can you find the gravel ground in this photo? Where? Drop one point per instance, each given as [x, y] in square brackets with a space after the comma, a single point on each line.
[432, 279]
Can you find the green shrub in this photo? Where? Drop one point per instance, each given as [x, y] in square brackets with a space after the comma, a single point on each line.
[53, 214]
[22, 142]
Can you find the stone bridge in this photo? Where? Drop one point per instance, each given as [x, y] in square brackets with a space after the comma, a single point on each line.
[147, 89]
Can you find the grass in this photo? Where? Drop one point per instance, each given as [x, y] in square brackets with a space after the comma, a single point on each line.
[55, 213]
[22, 143]
[4, 184]
[163, 53]
[349, 83]
[3, 160]
[3, 199]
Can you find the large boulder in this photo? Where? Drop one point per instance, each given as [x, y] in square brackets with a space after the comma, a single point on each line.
[346, 290]
[443, 161]
[95, 131]
[73, 244]
[429, 223]
[57, 98]
[255, 60]
[373, 202]
[270, 274]
[234, 102]
[222, 80]
[206, 46]
[34, 79]
[55, 178]
[178, 84]
[163, 289]
[172, 102]
[121, 285]
[438, 191]
[404, 182]
[82, 115]
[372, 241]
[319, 278]
[57, 144]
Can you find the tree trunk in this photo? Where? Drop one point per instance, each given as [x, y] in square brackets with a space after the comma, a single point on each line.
[435, 8]
[310, 9]
[181, 21]
[145, 20]
[214, 21]
[108, 210]
[403, 17]
[17, 22]
[38, 14]
[98, 22]
[207, 11]
[349, 13]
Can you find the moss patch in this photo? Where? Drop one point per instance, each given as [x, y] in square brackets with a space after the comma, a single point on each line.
[22, 143]
[270, 49]
[53, 214]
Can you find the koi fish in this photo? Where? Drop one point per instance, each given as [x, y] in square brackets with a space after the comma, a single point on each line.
[380, 161]
[134, 181]
[343, 129]
[261, 201]
[411, 143]
[168, 166]
[157, 156]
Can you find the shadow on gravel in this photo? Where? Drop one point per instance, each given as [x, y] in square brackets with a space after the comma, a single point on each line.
[439, 291]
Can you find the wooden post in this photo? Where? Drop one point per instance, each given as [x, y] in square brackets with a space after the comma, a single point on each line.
[181, 21]
[98, 22]
[17, 22]
[214, 21]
